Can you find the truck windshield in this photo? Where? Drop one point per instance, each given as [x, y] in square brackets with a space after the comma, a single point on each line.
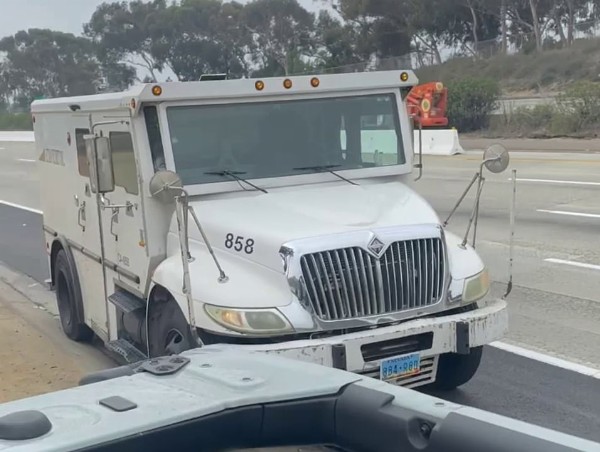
[275, 139]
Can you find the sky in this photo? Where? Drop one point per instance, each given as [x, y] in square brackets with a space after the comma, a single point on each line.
[61, 15]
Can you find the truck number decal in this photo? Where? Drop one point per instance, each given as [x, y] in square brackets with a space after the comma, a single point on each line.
[238, 244]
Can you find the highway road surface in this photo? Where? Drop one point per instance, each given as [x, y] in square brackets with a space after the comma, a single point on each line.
[547, 370]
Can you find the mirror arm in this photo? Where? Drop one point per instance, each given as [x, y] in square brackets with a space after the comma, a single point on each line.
[105, 123]
[460, 200]
[106, 204]
[463, 245]
[512, 235]
[420, 164]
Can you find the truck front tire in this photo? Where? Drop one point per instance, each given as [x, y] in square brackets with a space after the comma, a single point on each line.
[455, 370]
[69, 300]
[168, 330]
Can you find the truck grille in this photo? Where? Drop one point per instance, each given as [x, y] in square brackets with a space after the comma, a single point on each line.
[349, 282]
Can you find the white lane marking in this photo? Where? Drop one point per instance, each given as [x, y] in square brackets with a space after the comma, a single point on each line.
[550, 181]
[18, 206]
[547, 359]
[574, 214]
[573, 263]
[27, 160]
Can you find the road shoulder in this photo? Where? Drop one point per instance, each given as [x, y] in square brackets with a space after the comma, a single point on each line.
[37, 357]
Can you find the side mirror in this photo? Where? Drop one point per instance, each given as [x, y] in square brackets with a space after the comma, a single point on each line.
[165, 186]
[99, 155]
[496, 158]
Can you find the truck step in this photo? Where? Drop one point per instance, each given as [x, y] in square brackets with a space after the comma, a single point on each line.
[126, 301]
[126, 350]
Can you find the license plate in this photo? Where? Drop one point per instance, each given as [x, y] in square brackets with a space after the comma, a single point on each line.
[400, 366]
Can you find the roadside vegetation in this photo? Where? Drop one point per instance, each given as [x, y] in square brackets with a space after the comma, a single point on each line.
[574, 113]
[15, 121]
[497, 48]
[526, 72]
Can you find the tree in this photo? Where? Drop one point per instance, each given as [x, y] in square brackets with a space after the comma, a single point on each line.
[203, 36]
[47, 63]
[283, 33]
[337, 43]
[125, 32]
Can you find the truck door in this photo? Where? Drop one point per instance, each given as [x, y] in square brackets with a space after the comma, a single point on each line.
[123, 232]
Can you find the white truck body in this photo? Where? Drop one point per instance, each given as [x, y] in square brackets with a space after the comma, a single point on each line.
[345, 269]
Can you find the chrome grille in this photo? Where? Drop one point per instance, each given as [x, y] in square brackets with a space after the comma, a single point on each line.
[349, 282]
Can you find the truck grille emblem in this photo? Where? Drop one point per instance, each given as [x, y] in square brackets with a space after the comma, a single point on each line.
[376, 246]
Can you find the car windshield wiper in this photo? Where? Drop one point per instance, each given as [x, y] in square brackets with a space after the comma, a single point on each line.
[327, 168]
[234, 174]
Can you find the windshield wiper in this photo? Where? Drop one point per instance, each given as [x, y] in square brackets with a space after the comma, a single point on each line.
[234, 174]
[327, 168]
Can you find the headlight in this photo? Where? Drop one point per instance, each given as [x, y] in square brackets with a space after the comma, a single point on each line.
[476, 287]
[252, 321]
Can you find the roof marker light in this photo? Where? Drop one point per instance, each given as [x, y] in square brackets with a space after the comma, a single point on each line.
[404, 76]
[314, 82]
[259, 85]
[287, 83]
[156, 90]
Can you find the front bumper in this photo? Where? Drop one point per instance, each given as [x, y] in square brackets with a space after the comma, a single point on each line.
[359, 352]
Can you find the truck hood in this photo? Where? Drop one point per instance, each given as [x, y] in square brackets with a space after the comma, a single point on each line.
[265, 221]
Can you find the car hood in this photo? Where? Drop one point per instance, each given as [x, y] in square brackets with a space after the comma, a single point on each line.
[254, 225]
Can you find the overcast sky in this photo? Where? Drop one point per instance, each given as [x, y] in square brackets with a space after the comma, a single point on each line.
[61, 15]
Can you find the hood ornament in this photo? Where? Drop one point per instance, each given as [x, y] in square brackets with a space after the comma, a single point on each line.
[376, 247]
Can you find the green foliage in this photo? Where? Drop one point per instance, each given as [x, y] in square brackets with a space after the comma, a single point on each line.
[50, 63]
[470, 102]
[582, 101]
[137, 40]
[15, 121]
[576, 113]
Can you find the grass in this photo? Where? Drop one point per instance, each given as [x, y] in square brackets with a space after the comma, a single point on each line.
[15, 121]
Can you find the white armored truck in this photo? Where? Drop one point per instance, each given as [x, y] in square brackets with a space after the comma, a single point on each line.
[271, 214]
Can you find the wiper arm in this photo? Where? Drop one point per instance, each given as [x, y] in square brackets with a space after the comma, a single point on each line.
[327, 168]
[234, 174]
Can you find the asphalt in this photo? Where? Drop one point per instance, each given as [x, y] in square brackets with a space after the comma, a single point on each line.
[534, 392]
[553, 308]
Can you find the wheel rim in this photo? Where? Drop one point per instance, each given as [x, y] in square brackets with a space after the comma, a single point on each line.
[174, 341]
[64, 299]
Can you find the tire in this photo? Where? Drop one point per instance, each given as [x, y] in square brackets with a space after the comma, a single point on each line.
[68, 299]
[168, 330]
[455, 370]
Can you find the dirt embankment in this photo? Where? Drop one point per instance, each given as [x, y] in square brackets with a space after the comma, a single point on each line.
[36, 356]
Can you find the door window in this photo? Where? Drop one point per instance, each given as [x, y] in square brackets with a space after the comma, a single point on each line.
[124, 161]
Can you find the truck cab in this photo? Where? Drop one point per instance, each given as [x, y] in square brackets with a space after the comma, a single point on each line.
[279, 215]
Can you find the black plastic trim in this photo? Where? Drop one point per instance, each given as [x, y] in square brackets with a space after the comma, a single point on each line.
[395, 347]
[338, 356]
[354, 419]
[463, 346]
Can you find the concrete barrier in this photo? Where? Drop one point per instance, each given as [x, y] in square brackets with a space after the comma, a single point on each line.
[434, 142]
[439, 142]
[25, 136]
